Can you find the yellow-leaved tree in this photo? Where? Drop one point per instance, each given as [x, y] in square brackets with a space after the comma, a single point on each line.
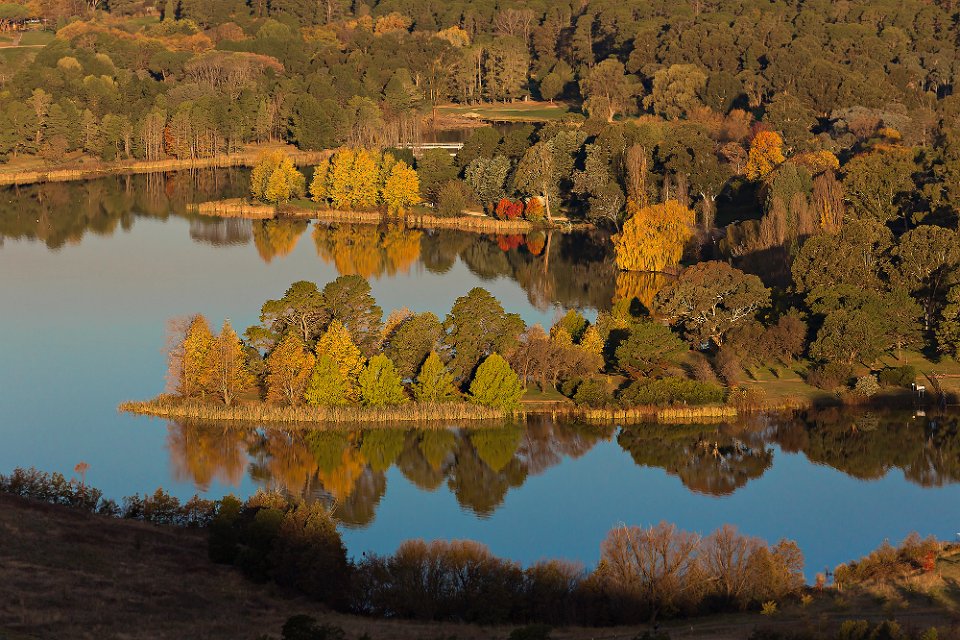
[364, 191]
[275, 179]
[192, 354]
[337, 343]
[289, 366]
[653, 237]
[225, 371]
[766, 152]
[339, 178]
[402, 188]
[320, 184]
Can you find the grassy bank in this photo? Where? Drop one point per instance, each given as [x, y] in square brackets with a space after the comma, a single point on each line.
[80, 170]
[314, 417]
[530, 111]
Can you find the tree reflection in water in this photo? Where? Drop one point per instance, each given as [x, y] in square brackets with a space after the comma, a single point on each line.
[347, 468]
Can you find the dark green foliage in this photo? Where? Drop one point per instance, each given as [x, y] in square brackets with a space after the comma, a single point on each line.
[898, 376]
[592, 393]
[412, 341]
[477, 326]
[649, 350]
[667, 391]
[830, 376]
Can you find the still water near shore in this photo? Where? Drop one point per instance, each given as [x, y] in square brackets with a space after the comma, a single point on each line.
[90, 272]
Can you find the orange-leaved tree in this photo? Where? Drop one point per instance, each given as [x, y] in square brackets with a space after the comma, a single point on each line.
[653, 237]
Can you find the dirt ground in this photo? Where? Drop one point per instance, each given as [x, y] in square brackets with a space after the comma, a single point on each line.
[71, 575]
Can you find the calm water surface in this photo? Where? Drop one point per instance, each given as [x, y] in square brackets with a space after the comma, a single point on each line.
[90, 273]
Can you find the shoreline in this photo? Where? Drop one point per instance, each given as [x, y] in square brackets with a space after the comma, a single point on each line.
[421, 414]
[242, 209]
[246, 158]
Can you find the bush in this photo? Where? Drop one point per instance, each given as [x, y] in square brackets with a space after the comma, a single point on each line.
[592, 393]
[866, 386]
[452, 198]
[903, 376]
[667, 391]
[830, 376]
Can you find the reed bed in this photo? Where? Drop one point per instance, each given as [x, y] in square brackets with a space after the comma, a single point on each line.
[234, 208]
[312, 417]
[677, 415]
[242, 159]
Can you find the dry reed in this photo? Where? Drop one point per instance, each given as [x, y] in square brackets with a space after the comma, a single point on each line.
[674, 415]
[242, 159]
[165, 406]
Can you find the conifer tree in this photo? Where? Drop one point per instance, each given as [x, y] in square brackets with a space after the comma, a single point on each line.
[434, 383]
[225, 371]
[328, 387]
[496, 385]
[289, 367]
[380, 385]
[192, 354]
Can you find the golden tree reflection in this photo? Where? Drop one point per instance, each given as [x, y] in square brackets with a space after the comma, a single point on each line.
[368, 250]
[277, 238]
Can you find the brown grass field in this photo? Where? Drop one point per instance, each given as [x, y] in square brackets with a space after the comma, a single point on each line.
[66, 574]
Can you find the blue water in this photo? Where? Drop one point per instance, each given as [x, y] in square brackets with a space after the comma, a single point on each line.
[83, 329]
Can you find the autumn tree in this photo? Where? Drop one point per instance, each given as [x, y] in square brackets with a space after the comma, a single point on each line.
[380, 384]
[402, 188]
[189, 359]
[434, 383]
[653, 237]
[225, 372]
[338, 345]
[766, 153]
[496, 385]
[710, 298]
[289, 367]
[275, 180]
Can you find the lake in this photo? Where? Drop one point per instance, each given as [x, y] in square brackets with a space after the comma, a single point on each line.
[91, 272]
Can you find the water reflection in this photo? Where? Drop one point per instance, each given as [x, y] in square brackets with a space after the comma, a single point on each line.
[570, 270]
[480, 466]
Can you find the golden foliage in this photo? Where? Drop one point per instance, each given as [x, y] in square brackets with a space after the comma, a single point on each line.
[653, 237]
[289, 367]
[366, 250]
[816, 162]
[338, 344]
[401, 189]
[277, 237]
[766, 152]
[359, 179]
[642, 285]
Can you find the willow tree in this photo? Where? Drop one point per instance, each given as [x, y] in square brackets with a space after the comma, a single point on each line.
[653, 237]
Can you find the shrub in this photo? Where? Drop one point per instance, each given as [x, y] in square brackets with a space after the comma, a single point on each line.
[534, 210]
[592, 393]
[452, 198]
[496, 385]
[866, 386]
[898, 376]
[830, 376]
[667, 391]
[508, 209]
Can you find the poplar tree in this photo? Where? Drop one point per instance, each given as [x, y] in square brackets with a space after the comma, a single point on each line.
[402, 188]
[653, 237]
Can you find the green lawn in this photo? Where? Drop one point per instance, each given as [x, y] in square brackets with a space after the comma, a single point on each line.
[509, 112]
[34, 38]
